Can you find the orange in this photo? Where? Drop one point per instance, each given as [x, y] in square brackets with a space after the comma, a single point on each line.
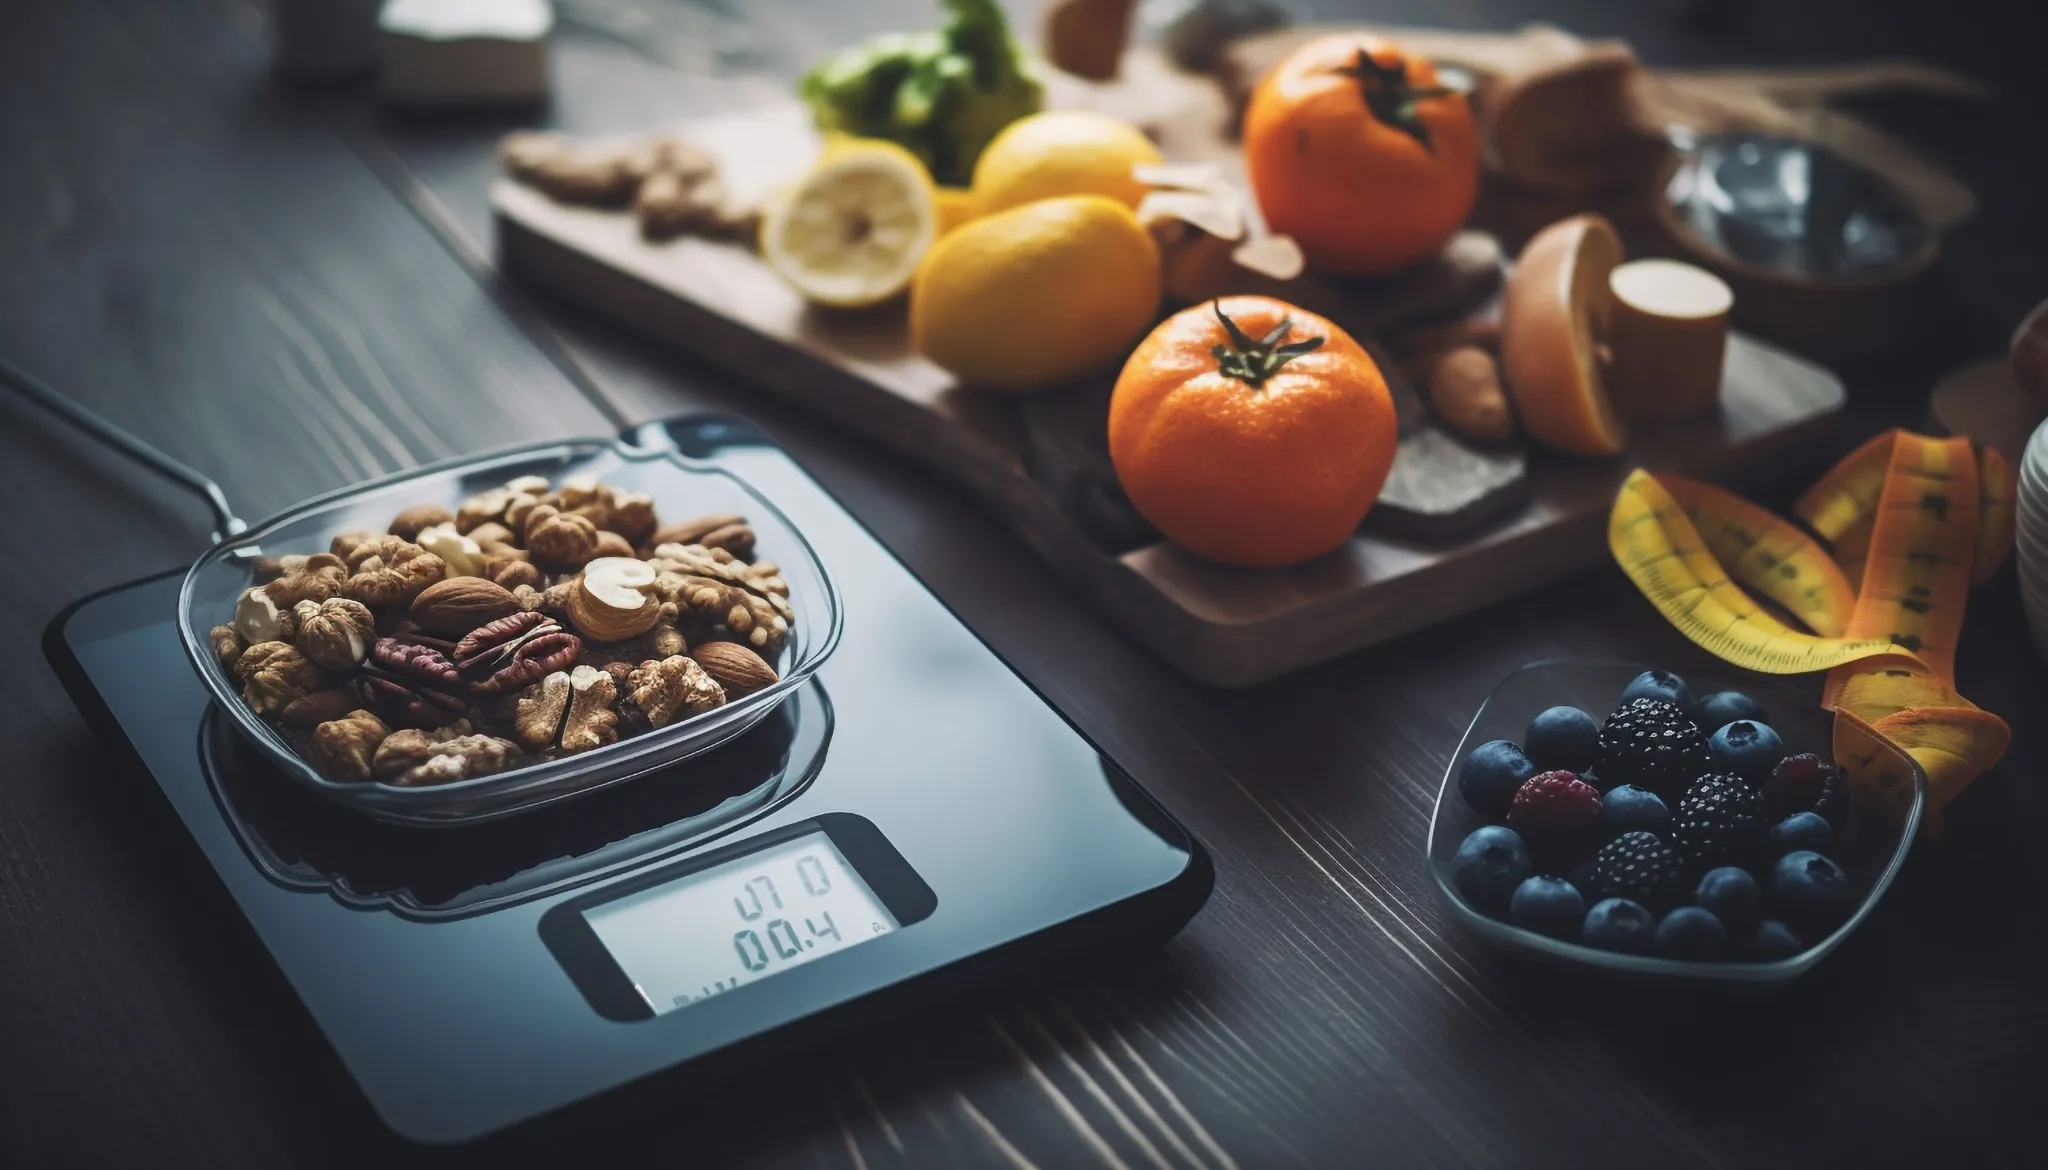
[1359, 152]
[1552, 318]
[1252, 432]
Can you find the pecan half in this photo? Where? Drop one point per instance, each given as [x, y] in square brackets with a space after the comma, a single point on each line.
[404, 702]
[416, 661]
[514, 651]
[411, 684]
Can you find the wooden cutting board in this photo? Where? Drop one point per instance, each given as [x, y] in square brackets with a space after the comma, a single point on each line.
[1219, 624]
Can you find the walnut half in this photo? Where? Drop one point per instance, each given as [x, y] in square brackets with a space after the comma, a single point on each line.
[591, 722]
[673, 688]
[343, 748]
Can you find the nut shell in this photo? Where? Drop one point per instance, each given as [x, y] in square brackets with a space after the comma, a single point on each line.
[458, 605]
[736, 668]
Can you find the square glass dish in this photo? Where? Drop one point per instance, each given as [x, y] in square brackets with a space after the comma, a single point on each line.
[681, 488]
[1872, 848]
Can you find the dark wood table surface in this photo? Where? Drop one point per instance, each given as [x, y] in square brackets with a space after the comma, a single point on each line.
[295, 293]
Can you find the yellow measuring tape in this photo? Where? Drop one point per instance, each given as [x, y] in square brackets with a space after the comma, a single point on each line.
[1913, 522]
[1663, 551]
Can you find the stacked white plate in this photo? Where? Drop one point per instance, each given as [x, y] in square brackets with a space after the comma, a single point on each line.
[2031, 537]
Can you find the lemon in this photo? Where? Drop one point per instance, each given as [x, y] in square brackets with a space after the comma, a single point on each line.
[956, 206]
[1062, 152]
[1037, 294]
[852, 232]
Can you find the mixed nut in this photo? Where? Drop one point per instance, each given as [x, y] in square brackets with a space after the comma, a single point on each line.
[533, 622]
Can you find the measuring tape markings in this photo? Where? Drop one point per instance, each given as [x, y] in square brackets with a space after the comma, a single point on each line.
[1660, 550]
[1767, 554]
[1922, 554]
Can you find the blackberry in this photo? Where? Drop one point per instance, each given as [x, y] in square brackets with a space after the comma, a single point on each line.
[1640, 867]
[1719, 822]
[1651, 744]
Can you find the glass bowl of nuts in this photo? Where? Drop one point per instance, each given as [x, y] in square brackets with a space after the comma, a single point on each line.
[482, 637]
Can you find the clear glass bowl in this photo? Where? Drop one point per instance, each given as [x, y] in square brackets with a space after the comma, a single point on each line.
[1872, 850]
[681, 488]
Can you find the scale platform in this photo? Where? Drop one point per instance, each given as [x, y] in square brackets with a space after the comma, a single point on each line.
[913, 825]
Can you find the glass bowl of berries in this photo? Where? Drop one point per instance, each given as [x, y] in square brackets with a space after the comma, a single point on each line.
[1606, 815]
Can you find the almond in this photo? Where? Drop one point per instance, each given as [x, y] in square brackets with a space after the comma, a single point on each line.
[460, 604]
[735, 667]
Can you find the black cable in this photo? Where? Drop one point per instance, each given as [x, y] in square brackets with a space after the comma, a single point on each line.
[226, 523]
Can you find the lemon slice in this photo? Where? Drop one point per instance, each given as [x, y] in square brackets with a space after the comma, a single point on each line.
[851, 233]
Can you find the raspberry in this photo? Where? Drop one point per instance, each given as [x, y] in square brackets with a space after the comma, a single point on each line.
[1719, 822]
[1651, 744]
[1555, 812]
[1640, 867]
[1807, 783]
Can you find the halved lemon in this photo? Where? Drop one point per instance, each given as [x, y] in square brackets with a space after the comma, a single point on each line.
[852, 232]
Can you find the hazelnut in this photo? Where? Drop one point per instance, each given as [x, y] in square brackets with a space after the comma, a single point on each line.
[457, 605]
[408, 525]
[611, 601]
[611, 544]
[528, 485]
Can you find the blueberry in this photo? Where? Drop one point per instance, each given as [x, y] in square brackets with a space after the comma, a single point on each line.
[1690, 932]
[1769, 942]
[1810, 890]
[1724, 707]
[1548, 905]
[1746, 748]
[1490, 776]
[1562, 737]
[1733, 897]
[1809, 831]
[1657, 684]
[1627, 808]
[1618, 924]
[1488, 867]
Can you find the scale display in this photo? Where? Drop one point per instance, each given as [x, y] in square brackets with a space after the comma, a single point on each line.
[707, 932]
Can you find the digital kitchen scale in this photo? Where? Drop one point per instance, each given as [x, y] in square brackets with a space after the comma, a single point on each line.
[912, 824]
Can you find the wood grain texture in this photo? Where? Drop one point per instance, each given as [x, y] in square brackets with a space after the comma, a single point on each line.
[719, 302]
[1320, 1011]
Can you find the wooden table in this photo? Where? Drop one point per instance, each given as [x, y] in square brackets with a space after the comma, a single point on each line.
[293, 293]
